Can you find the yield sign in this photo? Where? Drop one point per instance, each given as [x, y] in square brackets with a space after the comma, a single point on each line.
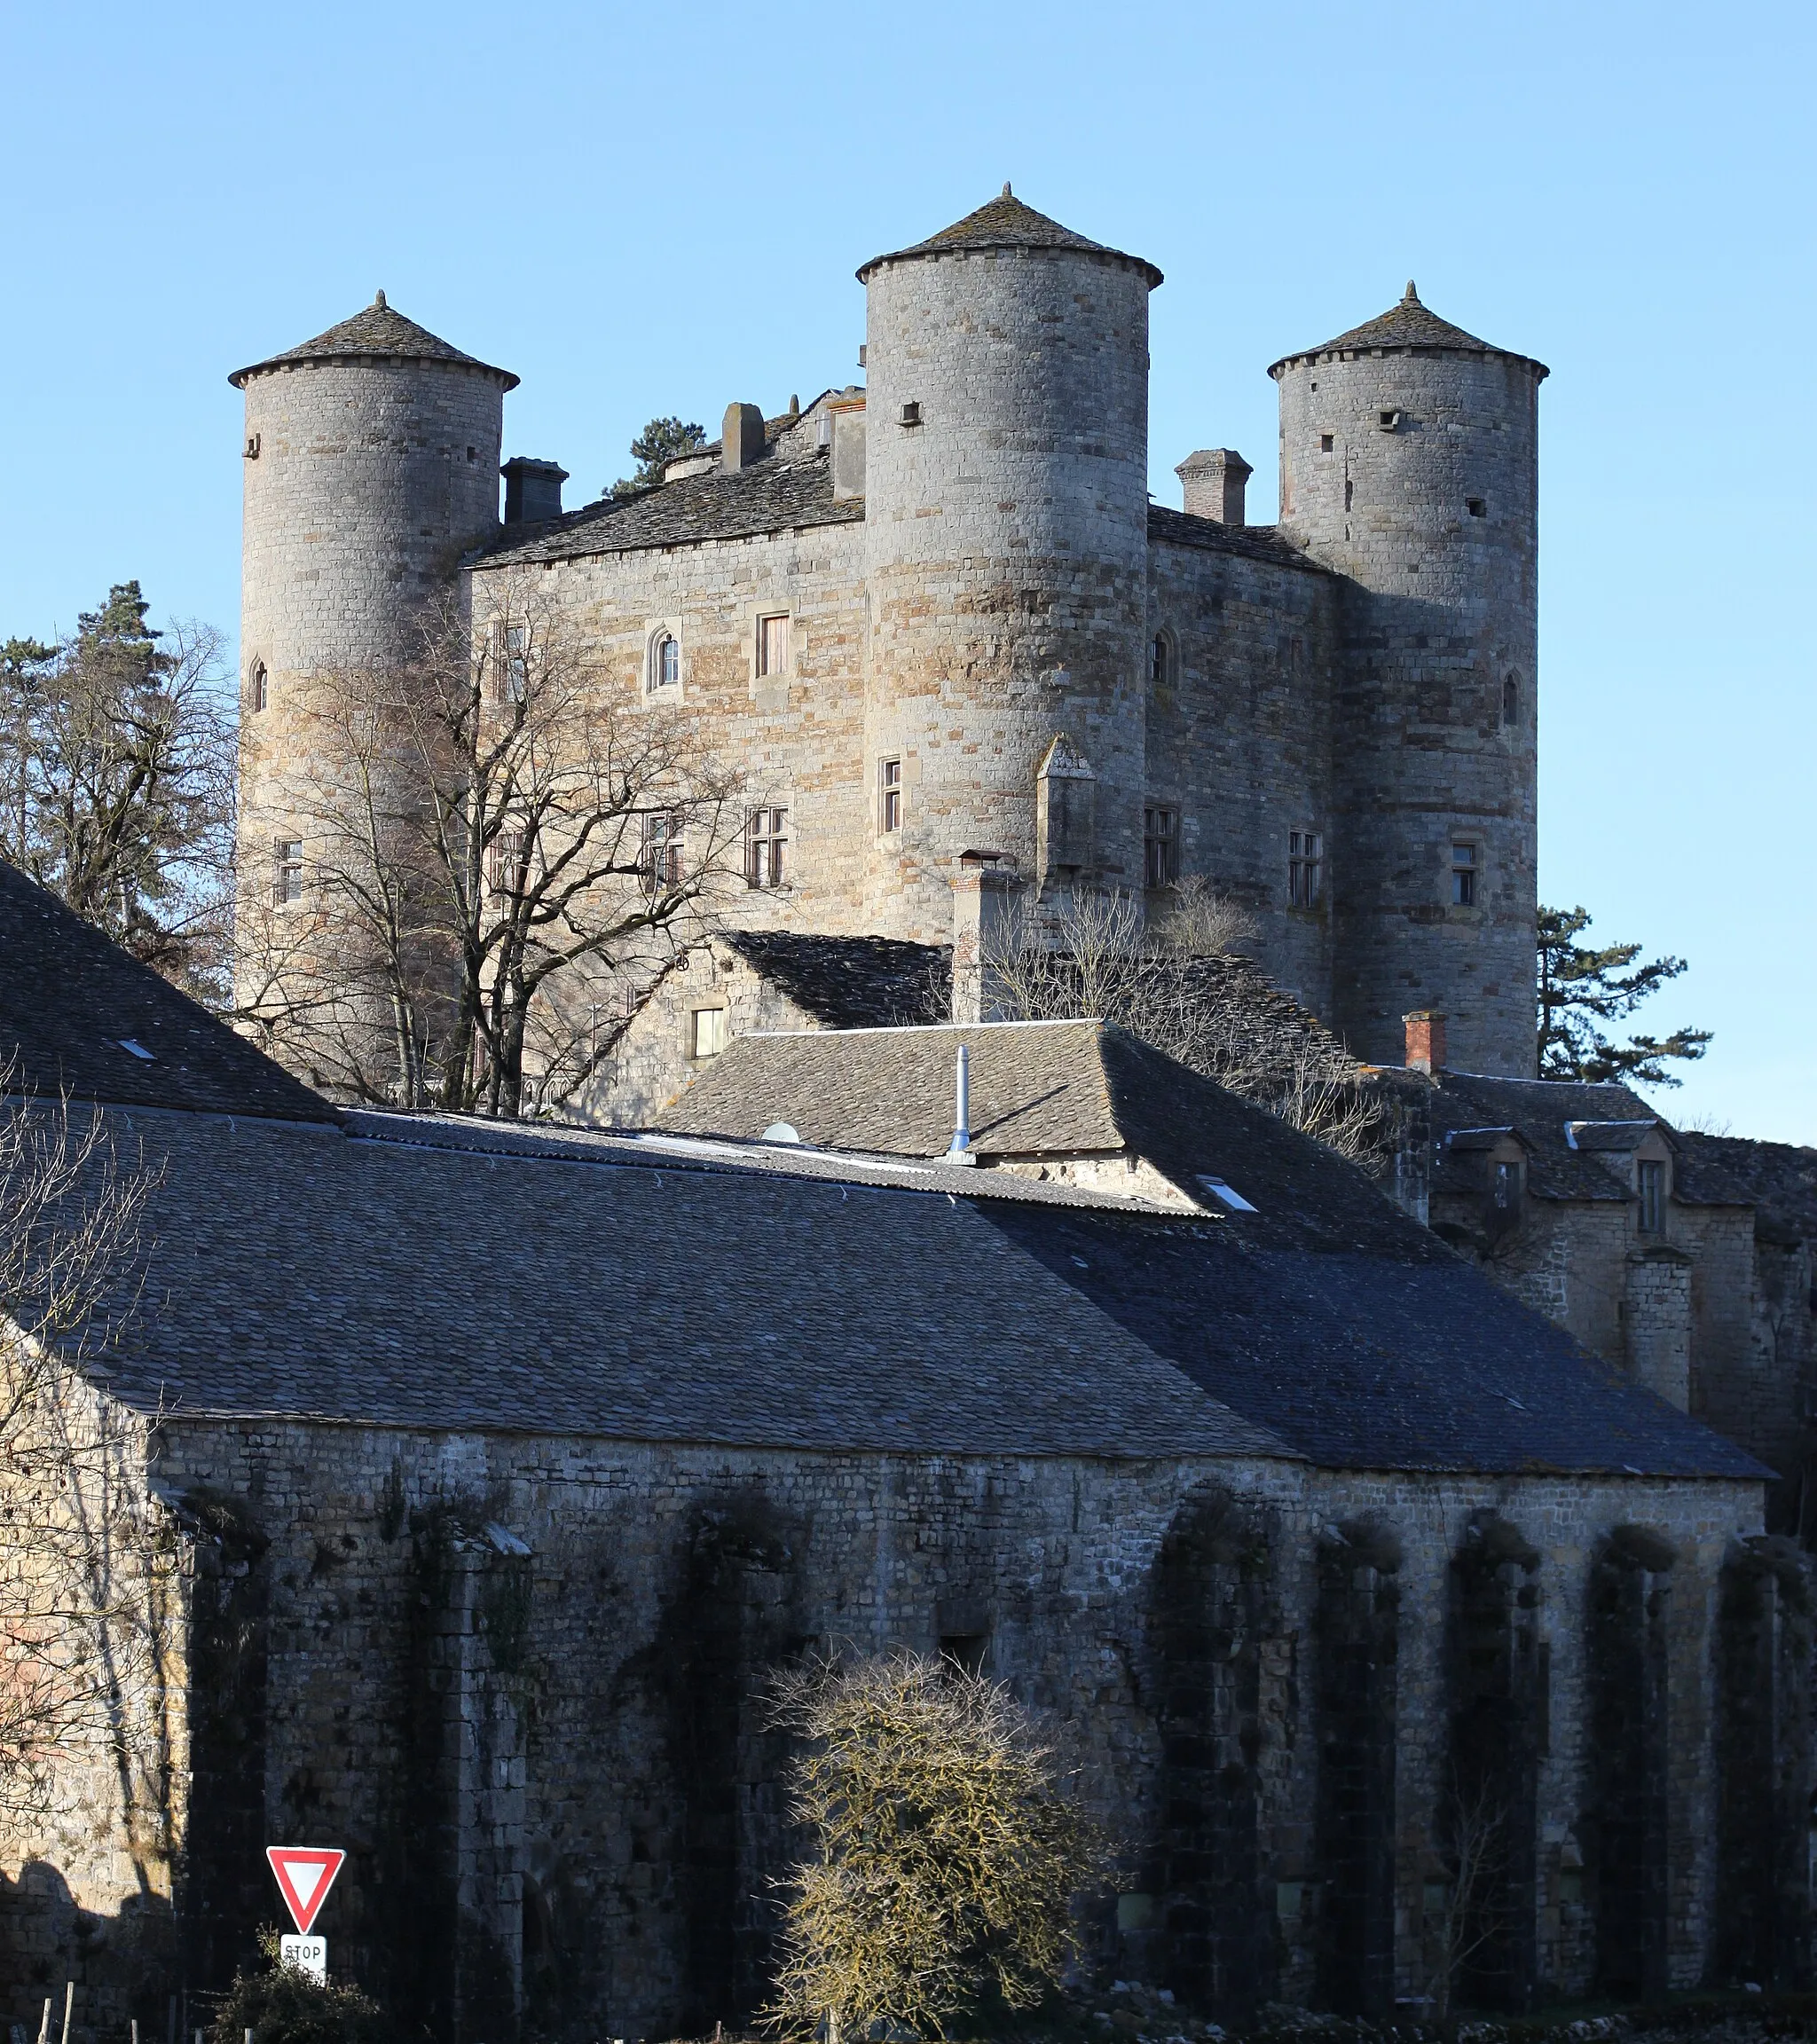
[305, 1873]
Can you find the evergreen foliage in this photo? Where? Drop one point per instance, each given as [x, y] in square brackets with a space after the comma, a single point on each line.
[116, 783]
[659, 442]
[1582, 987]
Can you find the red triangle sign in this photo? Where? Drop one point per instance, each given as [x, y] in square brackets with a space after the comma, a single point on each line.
[305, 1873]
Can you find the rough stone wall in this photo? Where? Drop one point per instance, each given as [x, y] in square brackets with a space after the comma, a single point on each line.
[553, 1760]
[1656, 1320]
[797, 737]
[1006, 555]
[1386, 457]
[1239, 740]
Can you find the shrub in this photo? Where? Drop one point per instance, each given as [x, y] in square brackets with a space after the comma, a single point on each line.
[282, 2005]
[945, 1854]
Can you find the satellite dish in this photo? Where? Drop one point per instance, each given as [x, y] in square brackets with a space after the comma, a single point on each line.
[781, 1132]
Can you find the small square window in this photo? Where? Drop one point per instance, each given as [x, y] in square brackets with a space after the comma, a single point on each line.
[1326, 443]
[286, 874]
[1476, 507]
[1465, 867]
[764, 840]
[1305, 868]
[1650, 1179]
[889, 781]
[709, 1034]
[772, 645]
[1161, 846]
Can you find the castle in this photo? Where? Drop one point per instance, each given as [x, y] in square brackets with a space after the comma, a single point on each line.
[939, 614]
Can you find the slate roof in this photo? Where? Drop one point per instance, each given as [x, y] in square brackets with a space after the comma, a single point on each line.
[1408, 325]
[1778, 1179]
[1171, 528]
[397, 1276]
[771, 496]
[71, 999]
[1567, 1130]
[418, 1284]
[1048, 1090]
[850, 982]
[376, 330]
[1006, 223]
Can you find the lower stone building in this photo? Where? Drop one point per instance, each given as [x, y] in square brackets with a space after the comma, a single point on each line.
[465, 1483]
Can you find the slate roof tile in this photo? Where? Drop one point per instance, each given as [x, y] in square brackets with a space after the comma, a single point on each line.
[1006, 223]
[71, 999]
[377, 330]
[1405, 324]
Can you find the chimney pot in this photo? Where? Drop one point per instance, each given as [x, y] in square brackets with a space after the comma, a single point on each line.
[1214, 479]
[741, 440]
[1426, 1048]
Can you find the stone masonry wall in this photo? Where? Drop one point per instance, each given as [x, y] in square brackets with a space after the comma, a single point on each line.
[514, 1677]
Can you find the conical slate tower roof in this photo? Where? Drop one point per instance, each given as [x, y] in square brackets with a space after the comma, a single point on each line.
[374, 331]
[1408, 325]
[1006, 223]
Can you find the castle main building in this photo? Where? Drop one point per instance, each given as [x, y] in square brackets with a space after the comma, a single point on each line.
[939, 614]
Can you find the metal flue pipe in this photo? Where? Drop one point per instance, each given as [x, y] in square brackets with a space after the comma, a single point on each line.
[961, 1150]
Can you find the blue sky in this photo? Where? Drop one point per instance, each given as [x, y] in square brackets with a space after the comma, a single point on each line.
[659, 209]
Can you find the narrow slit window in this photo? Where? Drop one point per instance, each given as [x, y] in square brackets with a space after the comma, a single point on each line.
[1161, 846]
[1158, 661]
[772, 645]
[259, 687]
[764, 838]
[1465, 871]
[1510, 700]
[889, 780]
[1650, 1183]
[1305, 864]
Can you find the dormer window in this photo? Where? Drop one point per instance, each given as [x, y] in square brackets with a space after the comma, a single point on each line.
[1649, 1182]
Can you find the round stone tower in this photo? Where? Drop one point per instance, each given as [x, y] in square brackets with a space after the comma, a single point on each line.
[372, 463]
[1409, 463]
[1006, 547]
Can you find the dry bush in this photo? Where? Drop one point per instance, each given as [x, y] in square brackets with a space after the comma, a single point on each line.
[83, 1550]
[1093, 954]
[946, 1852]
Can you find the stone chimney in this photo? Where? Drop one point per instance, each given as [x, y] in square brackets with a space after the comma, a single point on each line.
[1214, 480]
[532, 490]
[984, 907]
[1425, 1041]
[741, 438]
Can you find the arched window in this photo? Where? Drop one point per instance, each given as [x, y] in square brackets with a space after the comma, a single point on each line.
[1510, 700]
[257, 686]
[665, 660]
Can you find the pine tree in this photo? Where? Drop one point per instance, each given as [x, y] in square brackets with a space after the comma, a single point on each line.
[1582, 987]
[658, 444]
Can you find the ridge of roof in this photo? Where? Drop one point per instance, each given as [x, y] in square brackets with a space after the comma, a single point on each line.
[376, 330]
[1211, 536]
[770, 496]
[1406, 325]
[1004, 222]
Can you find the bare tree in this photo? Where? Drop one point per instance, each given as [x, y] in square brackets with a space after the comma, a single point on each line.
[1095, 953]
[85, 1582]
[116, 784]
[945, 1853]
[498, 844]
[1475, 1827]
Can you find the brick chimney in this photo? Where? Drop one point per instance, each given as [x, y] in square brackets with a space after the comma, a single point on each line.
[741, 440]
[1214, 480]
[1425, 1041]
[984, 903]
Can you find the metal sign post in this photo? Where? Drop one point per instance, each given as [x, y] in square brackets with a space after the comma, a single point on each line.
[305, 1875]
